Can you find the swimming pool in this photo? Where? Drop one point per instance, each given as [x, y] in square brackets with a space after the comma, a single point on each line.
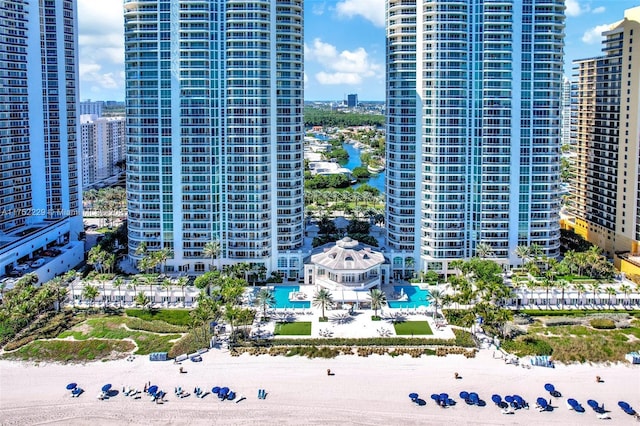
[415, 297]
[281, 294]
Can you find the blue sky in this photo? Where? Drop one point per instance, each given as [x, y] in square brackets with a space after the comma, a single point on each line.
[344, 45]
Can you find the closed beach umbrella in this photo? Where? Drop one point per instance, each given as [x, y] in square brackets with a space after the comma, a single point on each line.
[621, 404]
[106, 387]
[72, 386]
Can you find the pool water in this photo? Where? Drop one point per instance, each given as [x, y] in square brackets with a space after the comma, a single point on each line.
[281, 294]
[415, 297]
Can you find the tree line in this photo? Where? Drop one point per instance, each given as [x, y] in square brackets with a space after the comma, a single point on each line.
[323, 117]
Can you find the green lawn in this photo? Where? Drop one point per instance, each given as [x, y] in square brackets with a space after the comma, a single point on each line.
[412, 328]
[293, 329]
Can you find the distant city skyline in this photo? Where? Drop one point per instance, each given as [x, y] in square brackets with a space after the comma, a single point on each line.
[344, 45]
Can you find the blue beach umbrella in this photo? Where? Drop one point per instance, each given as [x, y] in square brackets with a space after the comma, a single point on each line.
[106, 387]
[572, 402]
[215, 390]
[435, 397]
[72, 386]
[542, 402]
[509, 399]
[223, 391]
[549, 387]
[413, 395]
[444, 396]
[497, 399]
[464, 395]
[152, 389]
[592, 403]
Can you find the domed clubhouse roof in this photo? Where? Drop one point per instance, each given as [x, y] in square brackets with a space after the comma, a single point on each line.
[348, 254]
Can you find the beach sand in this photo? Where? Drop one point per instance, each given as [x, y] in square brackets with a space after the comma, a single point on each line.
[363, 391]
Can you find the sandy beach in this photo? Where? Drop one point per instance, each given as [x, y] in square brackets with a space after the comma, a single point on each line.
[363, 391]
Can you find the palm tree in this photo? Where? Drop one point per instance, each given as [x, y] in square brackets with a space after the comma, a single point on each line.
[141, 299]
[162, 256]
[535, 250]
[595, 288]
[484, 250]
[117, 283]
[212, 249]
[435, 297]
[322, 298]
[182, 283]
[626, 289]
[166, 284]
[90, 292]
[611, 292]
[580, 289]
[141, 249]
[532, 285]
[547, 284]
[265, 299]
[378, 299]
[523, 252]
[563, 285]
[409, 263]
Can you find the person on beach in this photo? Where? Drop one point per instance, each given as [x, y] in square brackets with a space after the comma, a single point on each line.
[328, 372]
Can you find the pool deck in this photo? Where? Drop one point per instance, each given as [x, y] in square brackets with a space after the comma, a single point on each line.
[344, 324]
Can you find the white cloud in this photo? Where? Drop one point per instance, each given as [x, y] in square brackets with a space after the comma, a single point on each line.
[598, 10]
[574, 8]
[318, 8]
[594, 35]
[346, 67]
[371, 10]
[338, 78]
[101, 47]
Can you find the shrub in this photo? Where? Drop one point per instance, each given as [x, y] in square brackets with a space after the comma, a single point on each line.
[552, 322]
[527, 345]
[602, 323]
[188, 344]
[171, 316]
[156, 326]
[464, 338]
[458, 317]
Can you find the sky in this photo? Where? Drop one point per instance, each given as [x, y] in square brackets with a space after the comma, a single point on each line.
[344, 45]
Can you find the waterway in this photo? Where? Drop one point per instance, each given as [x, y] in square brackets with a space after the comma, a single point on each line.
[376, 181]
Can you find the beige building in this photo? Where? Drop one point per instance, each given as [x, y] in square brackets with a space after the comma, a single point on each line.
[102, 147]
[605, 192]
[347, 266]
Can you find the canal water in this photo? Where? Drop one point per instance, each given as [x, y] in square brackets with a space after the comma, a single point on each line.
[376, 181]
